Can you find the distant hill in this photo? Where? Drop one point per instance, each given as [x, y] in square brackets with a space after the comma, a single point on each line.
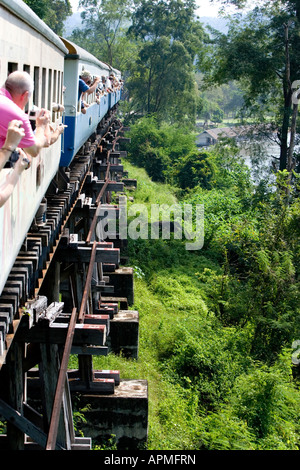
[74, 21]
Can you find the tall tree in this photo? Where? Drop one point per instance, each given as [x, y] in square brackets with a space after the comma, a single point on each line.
[105, 24]
[52, 12]
[162, 80]
[262, 50]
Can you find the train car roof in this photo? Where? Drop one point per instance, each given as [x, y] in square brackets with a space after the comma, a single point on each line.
[76, 52]
[24, 12]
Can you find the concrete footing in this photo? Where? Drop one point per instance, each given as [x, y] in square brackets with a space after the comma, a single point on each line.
[124, 333]
[122, 416]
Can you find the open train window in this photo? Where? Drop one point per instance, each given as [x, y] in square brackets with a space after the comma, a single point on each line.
[54, 90]
[11, 67]
[61, 88]
[44, 81]
[58, 97]
[36, 91]
[26, 68]
[50, 89]
[54, 93]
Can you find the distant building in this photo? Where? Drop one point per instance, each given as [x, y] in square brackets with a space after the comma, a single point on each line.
[212, 136]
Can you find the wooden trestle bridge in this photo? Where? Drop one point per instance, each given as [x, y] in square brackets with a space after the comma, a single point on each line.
[68, 293]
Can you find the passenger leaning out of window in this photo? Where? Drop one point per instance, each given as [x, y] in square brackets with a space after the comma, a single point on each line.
[10, 151]
[87, 85]
[14, 96]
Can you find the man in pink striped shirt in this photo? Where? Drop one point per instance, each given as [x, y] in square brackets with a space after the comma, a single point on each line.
[13, 99]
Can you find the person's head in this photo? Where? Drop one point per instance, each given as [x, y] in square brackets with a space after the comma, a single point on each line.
[86, 77]
[20, 86]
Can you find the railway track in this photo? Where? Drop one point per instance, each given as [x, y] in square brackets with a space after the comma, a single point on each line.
[66, 294]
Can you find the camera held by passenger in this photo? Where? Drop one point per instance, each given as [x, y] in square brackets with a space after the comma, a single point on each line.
[32, 116]
[14, 157]
[57, 108]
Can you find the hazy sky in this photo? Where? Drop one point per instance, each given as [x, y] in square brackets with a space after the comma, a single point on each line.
[206, 8]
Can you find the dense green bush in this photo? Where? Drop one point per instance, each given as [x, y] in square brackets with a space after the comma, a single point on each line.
[195, 169]
[160, 148]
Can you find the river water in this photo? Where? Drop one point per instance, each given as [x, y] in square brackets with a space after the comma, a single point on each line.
[261, 156]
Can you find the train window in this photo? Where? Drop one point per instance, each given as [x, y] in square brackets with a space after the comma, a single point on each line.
[11, 67]
[58, 96]
[61, 88]
[36, 91]
[49, 89]
[44, 80]
[26, 68]
[54, 92]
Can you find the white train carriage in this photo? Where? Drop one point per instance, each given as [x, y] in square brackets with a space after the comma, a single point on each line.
[82, 126]
[26, 43]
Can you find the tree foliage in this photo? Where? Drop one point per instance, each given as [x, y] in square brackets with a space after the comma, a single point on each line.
[168, 153]
[52, 12]
[261, 50]
[105, 24]
[162, 80]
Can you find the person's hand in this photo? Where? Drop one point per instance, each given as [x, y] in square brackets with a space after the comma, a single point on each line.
[43, 118]
[57, 108]
[23, 163]
[15, 133]
[61, 128]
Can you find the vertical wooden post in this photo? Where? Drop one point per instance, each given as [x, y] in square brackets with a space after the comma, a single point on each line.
[16, 393]
[56, 287]
[49, 370]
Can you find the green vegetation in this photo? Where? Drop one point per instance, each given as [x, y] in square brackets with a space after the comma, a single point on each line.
[217, 324]
[52, 12]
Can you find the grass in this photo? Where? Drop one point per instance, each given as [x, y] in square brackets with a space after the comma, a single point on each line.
[167, 295]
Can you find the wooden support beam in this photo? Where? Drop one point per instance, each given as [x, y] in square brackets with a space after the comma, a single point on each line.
[49, 370]
[82, 254]
[98, 374]
[113, 167]
[105, 386]
[89, 350]
[24, 425]
[56, 333]
[16, 393]
[129, 182]
[97, 185]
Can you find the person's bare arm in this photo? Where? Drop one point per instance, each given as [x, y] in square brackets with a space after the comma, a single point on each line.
[41, 138]
[93, 87]
[54, 135]
[15, 133]
[12, 178]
